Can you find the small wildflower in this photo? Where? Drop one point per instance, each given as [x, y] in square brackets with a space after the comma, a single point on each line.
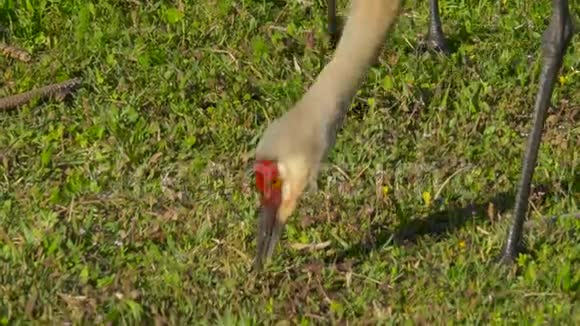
[427, 198]
[563, 80]
[386, 190]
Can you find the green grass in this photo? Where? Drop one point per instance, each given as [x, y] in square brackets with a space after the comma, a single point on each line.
[134, 202]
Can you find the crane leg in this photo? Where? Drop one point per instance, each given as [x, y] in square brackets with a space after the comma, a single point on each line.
[332, 22]
[555, 41]
[435, 38]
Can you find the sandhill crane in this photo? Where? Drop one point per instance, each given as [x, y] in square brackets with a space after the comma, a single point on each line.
[293, 146]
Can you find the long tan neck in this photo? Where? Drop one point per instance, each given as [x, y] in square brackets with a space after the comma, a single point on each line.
[362, 38]
[301, 138]
[308, 131]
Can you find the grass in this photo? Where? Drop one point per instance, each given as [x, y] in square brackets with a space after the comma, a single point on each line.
[133, 202]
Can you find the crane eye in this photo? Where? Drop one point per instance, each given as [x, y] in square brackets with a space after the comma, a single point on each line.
[277, 183]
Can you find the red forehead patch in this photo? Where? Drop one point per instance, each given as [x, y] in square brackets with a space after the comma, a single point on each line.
[266, 171]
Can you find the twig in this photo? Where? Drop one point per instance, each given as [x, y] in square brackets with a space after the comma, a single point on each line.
[58, 91]
[227, 53]
[438, 193]
[14, 52]
[367, 278]
[341, 171]
[311, 246]
[240, 253]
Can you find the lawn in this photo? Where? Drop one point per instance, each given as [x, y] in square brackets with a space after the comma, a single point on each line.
[133, 201]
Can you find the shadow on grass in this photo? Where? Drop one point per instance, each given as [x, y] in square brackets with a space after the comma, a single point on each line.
[444, 222]
[438, 223]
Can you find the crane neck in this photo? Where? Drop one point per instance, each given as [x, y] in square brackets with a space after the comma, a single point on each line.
[362, 38]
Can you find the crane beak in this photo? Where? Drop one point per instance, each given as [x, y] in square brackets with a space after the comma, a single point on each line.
[269, 231]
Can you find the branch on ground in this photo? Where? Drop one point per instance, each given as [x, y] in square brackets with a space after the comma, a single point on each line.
[57, 91]
[14, 52]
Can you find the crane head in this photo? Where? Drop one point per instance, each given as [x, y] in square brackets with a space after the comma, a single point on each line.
[269, 185]
[279, 190]
[287, 160]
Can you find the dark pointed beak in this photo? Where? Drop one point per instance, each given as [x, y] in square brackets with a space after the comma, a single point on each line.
[269, 230]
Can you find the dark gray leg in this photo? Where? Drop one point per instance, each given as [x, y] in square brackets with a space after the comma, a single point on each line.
[554, 43]
[332, 22]
[435, 39]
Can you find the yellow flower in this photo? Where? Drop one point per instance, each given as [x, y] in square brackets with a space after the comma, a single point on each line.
[427, 198]
[385, 190]
[563, 80]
